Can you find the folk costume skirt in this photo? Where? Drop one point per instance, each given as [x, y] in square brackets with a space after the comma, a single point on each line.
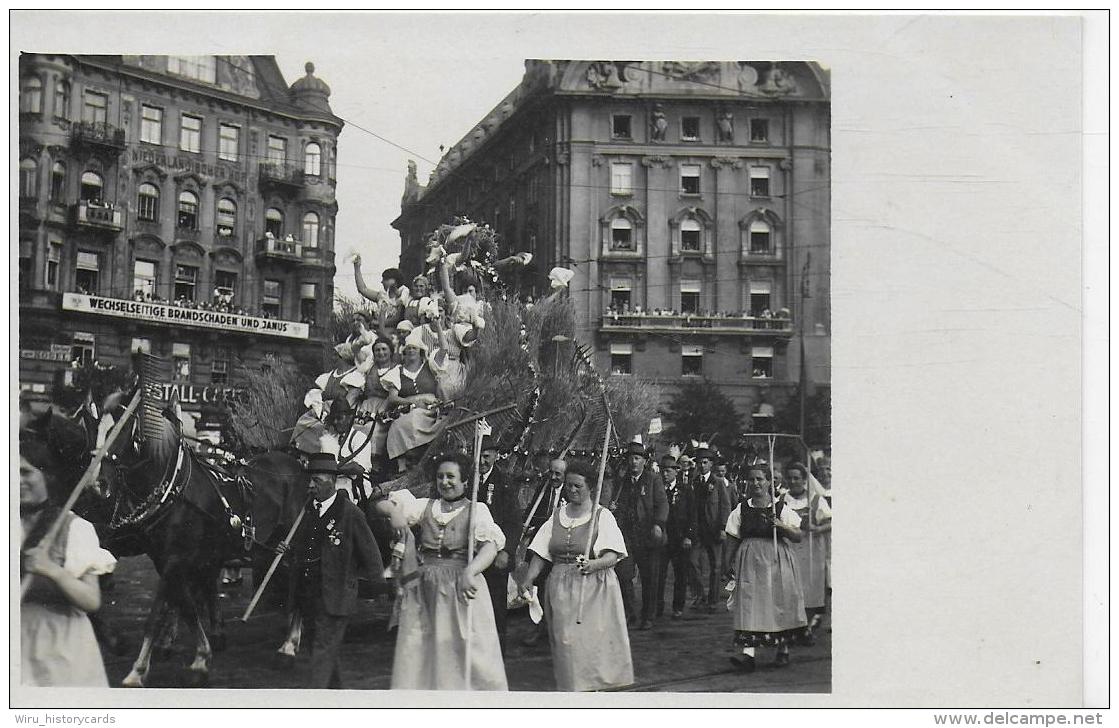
[413, 428]
[595, 654]
[431, 637]
[811, 564]
[768, 603]
[58, 647]
[378, 430]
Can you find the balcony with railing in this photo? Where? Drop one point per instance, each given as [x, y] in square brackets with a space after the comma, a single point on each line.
[287, 251]
[98, 134]
[102, 216]
[674, 323]
[283, 176]
[318, 256]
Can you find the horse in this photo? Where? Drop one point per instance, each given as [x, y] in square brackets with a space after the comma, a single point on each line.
[188, 517]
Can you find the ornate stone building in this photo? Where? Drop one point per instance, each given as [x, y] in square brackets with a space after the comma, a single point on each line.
[182, 206]
[690, 198]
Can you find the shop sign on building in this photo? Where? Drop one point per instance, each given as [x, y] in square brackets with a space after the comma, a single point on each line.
[202, 394]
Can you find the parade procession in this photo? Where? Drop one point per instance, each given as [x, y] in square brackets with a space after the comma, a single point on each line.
[513, 459]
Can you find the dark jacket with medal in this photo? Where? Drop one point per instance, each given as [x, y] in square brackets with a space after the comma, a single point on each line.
[638, 505]
[712, 506]
[501, 499]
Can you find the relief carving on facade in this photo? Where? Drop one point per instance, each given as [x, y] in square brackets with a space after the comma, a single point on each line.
[725, 126]
[655, 161]
[778, 82]
[605, 76]
[732, 162]
[658, 124]
[705, 71]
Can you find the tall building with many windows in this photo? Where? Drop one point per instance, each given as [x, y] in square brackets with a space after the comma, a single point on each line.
[690, 198]
[181, 206]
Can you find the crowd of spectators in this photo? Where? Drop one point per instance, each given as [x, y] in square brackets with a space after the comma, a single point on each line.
[700, 318]
[221, 301]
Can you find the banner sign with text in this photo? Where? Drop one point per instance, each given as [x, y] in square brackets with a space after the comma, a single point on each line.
[164, 313]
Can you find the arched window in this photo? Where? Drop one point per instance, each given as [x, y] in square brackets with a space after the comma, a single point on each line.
[312, 159]
[31, 95]
[28, 178]
[311, 230]
[147, 203]
[691, 235]
[761, 242]
[188, 210]
[58, 182]
[621, 234]
[62, 99]
[227, 217]
[274, 222]
[92, 187]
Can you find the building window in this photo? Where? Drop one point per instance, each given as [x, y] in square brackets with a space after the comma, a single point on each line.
[689, 297]
[621, 178]
[29, 178]
[227, 217]
[186, 280]
[58, 182]
[621, 234]
[689, 128]
[333, 166]
[83, 347]
[147, 202]
[761, 361]
[219, 371]
[88, 274]
[691, 233]
[141, 345]
[62, 99]
[225, 282]
[277, 150]
[151, 125]
[621, 126]
[188, 211]
[689, 179]
[759, 130]
[759, 181]
[229, 142]
[144, 279]
[31, 95]
[308, 297]
[91, 187]
[272, 300]
[311, 230]
[190, 133]
[199, 68]
[312, 159]
[54, 260]
[95, 107]
[274, 222]
[760, 238]
[621, 295]
[691, 361]
[180, 361]
[621, 358]
[760, 298]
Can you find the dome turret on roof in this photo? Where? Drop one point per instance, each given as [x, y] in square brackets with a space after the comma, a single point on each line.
[310, 91]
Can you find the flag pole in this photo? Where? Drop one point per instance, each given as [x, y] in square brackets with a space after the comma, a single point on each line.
[478, 427]
[594, 515]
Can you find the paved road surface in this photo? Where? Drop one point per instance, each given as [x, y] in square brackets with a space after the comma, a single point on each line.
[687, 655]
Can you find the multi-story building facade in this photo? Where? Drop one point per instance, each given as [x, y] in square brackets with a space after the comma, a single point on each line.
[691, 200]
[181, 206]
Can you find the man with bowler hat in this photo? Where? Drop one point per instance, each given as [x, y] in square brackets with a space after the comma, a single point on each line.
[496, 492]
[712, 508]
[333, 547]
[641, 509]
[681, 534]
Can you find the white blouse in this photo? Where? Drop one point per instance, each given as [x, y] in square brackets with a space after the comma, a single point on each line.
[788, 516]
[391, 379]
[412, 508]
[84, 554]
[609, 535]
[822, 512]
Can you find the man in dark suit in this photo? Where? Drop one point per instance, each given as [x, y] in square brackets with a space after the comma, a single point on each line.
[545, 500]
[641, 509]
[680, 530]
[333, 547]
[712, 508]
[501, 499]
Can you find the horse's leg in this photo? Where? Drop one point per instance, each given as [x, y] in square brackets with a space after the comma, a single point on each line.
[156, 619]
[290, 647]
[167, 635]
[193, 598]
[217, 621]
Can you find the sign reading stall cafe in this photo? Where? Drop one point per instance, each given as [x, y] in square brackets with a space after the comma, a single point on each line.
[164, 313]
[203, 394]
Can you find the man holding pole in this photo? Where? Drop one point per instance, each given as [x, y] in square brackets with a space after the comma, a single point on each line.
[333, 546]
[501, 500]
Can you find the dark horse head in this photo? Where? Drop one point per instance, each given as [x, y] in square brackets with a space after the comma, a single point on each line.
[62, 447]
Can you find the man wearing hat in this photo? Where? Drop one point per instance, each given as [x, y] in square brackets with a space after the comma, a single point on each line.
[332, 548]
[545, 500]
[680, 529]
[641, 509]
[712, 508]
[494, 490]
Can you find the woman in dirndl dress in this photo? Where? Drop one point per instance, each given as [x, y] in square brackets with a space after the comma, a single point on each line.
[811, 551]
[768, 601]
[344, 381]
[433, 608]
[411, 383]
[57, 644]
[376, 399]
[592, 654]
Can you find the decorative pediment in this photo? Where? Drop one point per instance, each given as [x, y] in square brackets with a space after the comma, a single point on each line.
[737, 79]
[188, 249]
[146, 242]
[762, 213]
[691, 212]
[629, 212]
[142, 170]
[225, 255]
[230, 184]
[185, 177]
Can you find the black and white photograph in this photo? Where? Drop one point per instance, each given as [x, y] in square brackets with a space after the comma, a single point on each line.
[363, 352]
